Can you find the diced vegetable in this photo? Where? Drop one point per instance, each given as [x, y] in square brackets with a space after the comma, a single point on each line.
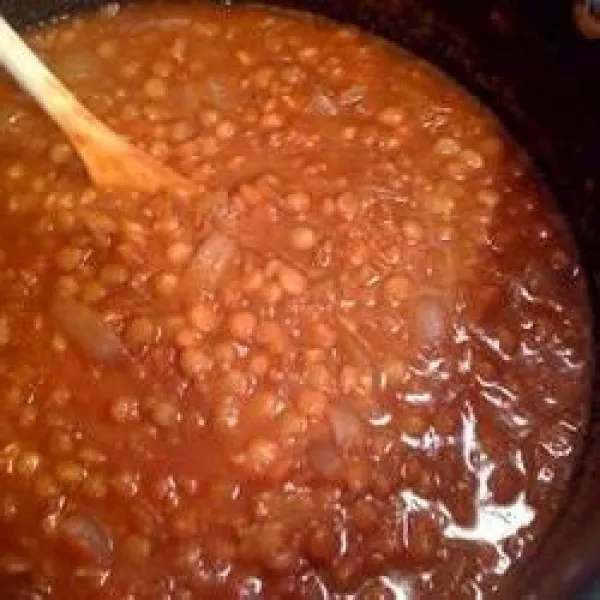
[88, 539]
[84, 328]
[431, 319]
[353, 343]
[346, 426]
[325, 459]
[351, 96]
[322, 105]
[211, 261]
[216, 91]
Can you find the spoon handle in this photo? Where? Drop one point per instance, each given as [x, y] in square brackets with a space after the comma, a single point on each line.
[33, 76]
[110, 161]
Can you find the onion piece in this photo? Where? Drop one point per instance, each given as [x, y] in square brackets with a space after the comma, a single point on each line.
[217, 92]
[322, 105]
[346, 425]
[356, 346]
[430, 320]
[90, 334]
[88, 539]
[212, 260]
[325, 459]
[351, 96]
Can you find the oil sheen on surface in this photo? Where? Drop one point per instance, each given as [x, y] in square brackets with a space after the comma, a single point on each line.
[352, 365]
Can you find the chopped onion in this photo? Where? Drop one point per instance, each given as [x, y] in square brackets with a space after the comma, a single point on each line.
[189, 96]
[325, 459]
[217, 93]
[346, 426]
[89, 540]
[353, 95]
[82, 326]
[353, 343]
[211, 261]
[323, 105]
[431, 320]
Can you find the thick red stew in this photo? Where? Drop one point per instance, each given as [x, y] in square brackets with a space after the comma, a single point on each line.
[351, 364]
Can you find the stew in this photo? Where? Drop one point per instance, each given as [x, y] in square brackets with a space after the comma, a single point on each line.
[352, 364]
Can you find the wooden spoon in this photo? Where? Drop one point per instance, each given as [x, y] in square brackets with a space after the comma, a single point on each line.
[110, 161]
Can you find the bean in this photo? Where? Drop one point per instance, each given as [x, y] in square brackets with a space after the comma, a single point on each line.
[323, 336]
[262, 407]
[472, 158]
[312, 403]
[392, 116]
[236, 382]
[202, 317]
[60, 153]
[252, 281]
[303, 238]
[14, 565]
[194, 362]
[376, 591]
[347, 206]
[124, 409]
[137, 548]
[422, 537]
[446, 146]
[186, 338]
[413, 231]
[225, 130]
[92, 291]
[166, 284]
[155, 88]
[394, 371]
[260, 455]
[181, 131]
[28, 463]
[45, 487]
[292, 281]
[489, 198]
[69, 473]
[272, 121]
[15, 171]
[357, 476]
[4, 330]
[9, 507]
[272, 335]
[69, 258]
[259, 365]
[164, 414]
[242, 325]
[125, 484]
[95, 487]
[184, 525]
[296, 202]
[179, 252]
[106, 49]
[141, 332]
[396, 289]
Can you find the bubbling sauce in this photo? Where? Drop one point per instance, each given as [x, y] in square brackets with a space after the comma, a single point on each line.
[352, 364]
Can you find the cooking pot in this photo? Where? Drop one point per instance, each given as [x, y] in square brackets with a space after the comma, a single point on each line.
[540, 73]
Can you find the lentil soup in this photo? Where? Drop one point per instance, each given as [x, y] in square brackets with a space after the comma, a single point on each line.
[352, 364]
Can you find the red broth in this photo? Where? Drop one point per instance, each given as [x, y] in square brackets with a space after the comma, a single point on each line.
[353, 364]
